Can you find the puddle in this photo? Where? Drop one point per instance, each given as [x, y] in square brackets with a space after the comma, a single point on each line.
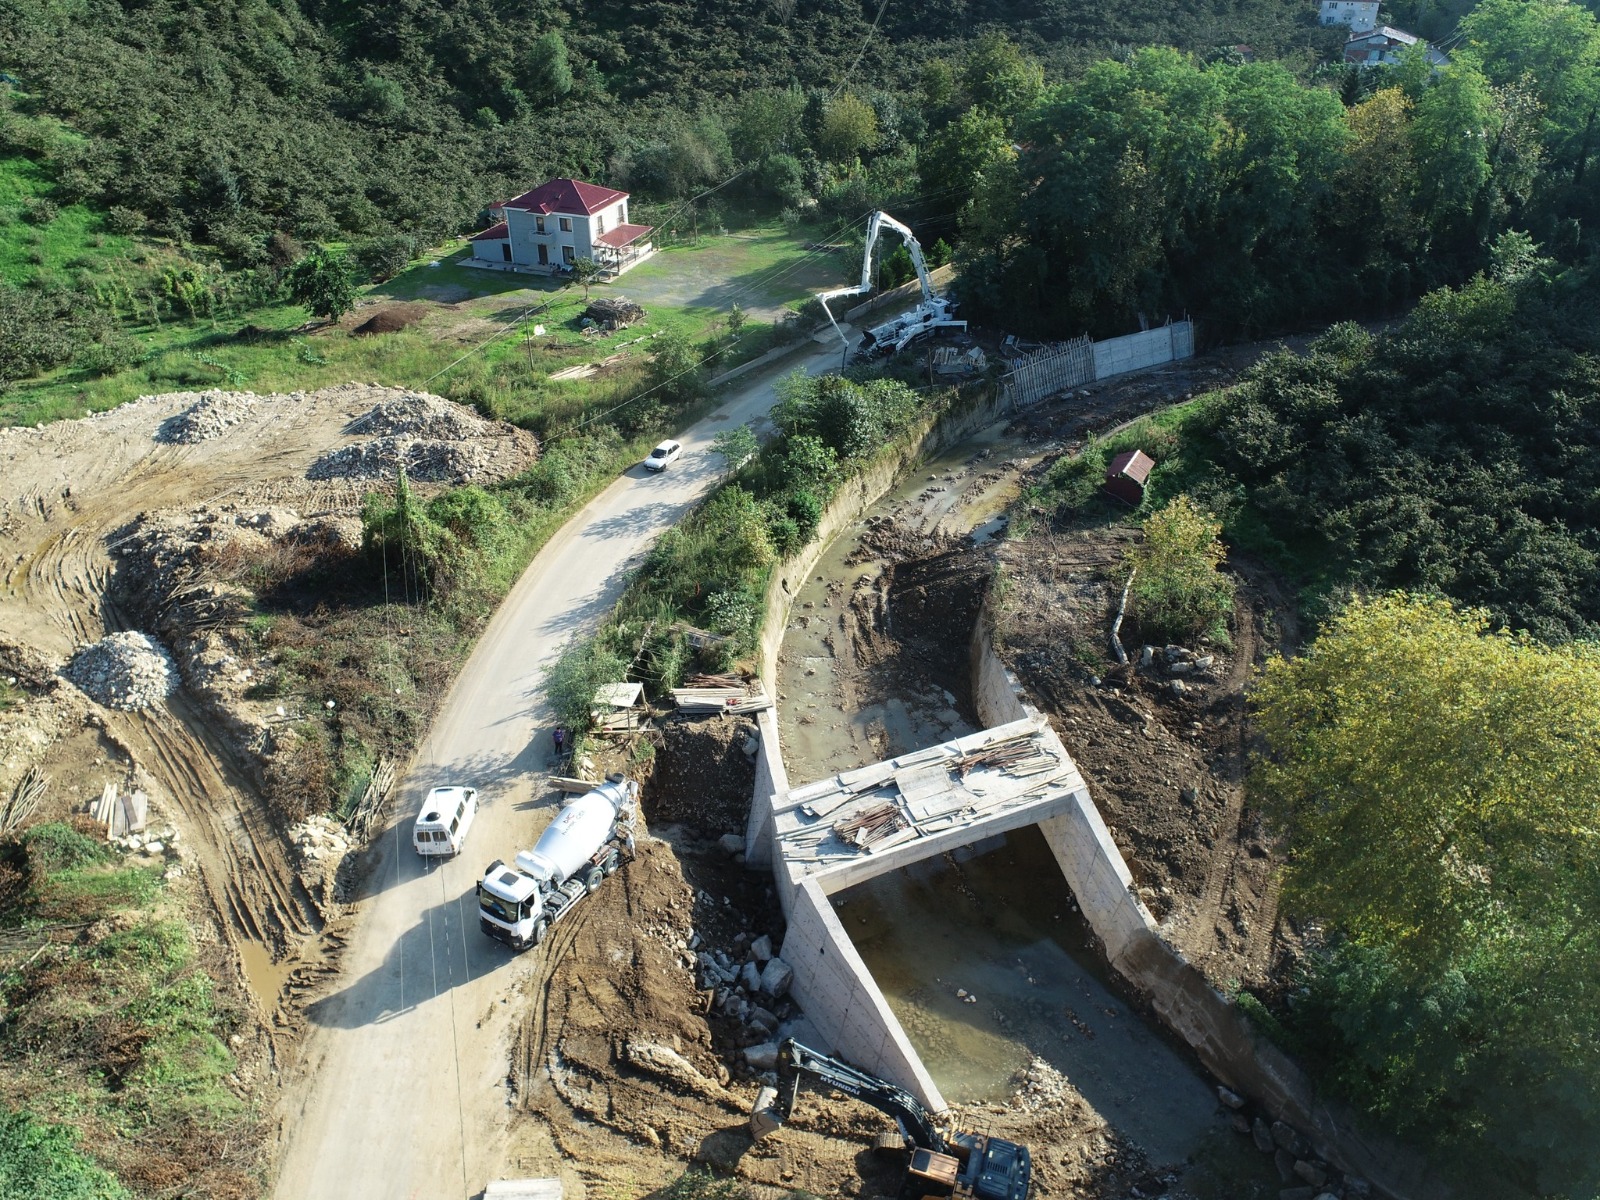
[848, 699]
[265, 977]
[1001, 926]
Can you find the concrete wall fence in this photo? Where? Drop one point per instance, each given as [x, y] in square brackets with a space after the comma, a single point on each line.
[1073, 364]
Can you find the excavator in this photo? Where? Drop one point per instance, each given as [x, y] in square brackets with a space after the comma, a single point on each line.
[966, 1166]
[934, 312]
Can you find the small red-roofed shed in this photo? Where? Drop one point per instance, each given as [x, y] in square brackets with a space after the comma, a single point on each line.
[1126, 475]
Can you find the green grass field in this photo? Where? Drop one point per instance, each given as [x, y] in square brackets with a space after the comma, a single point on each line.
[475, 342]
[75, 240]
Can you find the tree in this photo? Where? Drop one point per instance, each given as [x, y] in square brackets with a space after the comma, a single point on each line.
[737, 446]
[1178, 590]
[1439, 785]
[547, 72]
[1439, 781]
[675, 368]
[323, 282]
[1001, 79]
[849, 127]
[584, 272]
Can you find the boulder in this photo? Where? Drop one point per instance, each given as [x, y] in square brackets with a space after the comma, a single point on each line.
[764, 1056]
[776, 977]
[761, 948]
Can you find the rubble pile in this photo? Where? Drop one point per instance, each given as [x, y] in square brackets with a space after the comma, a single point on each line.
[127, 671]
[427, 460]
[433, 440]
[319, 839]
[208, 417]
[420, 415]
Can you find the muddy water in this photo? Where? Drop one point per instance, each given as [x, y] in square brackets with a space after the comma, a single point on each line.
[840, 712]
[1001, 927]
[265, 977]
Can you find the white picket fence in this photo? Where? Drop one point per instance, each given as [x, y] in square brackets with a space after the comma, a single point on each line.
[1072, 364]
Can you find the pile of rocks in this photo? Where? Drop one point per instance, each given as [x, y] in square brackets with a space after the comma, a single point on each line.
[1307, 1176]
[210, 416]
[126, 671]
[320, 839]
[429, 460]
[1180, 662]
[750, 993]
[420, 415]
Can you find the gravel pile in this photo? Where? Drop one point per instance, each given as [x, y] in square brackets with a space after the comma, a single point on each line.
[208, 417]
[419, 415]
[429, 460]
[127, 671]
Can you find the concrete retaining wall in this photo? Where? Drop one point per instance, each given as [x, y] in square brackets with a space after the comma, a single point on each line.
[1221, 1036]
[1136, 351]
[853, 498]
[836, 991]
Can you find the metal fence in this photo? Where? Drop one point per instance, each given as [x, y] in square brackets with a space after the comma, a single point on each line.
[1073, 364]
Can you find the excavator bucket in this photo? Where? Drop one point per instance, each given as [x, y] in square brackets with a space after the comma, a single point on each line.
[764, 1117]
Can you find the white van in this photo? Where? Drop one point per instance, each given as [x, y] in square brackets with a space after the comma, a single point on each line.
[442, 825]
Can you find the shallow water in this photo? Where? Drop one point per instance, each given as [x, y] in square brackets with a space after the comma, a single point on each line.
[1002, 927]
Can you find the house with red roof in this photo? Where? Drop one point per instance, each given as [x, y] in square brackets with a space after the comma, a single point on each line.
[557, 223]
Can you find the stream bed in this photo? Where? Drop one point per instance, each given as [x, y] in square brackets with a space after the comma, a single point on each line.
[981, 954]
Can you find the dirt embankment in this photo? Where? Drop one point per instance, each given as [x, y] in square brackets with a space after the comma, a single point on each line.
[158, 519]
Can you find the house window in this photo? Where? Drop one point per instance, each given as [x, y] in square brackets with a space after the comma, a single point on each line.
[567, 254]
[566, 224]
[538, 224]
[600, 223]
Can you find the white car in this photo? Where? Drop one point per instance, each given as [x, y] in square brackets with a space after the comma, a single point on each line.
[666, 452]
[442, 825]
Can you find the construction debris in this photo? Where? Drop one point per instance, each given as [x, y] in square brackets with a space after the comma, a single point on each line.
[369, 809]
[740, 698]
[614, 312]
[208, 417]
[121, 813]
[875, 808]
[25, 799]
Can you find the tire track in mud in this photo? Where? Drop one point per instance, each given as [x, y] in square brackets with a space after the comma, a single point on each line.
[87, 482]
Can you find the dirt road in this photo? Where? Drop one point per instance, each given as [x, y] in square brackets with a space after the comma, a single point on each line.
[401, 1087]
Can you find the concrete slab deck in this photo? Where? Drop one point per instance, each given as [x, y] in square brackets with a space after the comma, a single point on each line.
[865, 822]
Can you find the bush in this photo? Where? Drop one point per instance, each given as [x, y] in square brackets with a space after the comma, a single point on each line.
[125, 221]
[384, 257]
[1178, 592]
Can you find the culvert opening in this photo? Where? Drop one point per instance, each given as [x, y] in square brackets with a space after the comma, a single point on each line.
[986, 962]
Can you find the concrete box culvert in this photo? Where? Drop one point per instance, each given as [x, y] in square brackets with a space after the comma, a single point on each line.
[833, 985]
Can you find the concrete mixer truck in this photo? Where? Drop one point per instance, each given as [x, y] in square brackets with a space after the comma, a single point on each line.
[587, 842]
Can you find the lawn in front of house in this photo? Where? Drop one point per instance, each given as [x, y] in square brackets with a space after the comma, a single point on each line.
[474, 340]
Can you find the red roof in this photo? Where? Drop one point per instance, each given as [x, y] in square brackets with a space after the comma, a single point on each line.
[1131, 464]
[623, 235]
[566, 196]
[493, 233]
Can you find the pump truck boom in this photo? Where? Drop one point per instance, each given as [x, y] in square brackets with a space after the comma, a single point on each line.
[583, 846]
[934, 312]
[967, 1166]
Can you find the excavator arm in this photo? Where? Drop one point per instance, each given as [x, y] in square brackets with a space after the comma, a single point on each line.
[796, 1062]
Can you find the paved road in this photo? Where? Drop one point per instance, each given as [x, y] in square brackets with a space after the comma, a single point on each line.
[400, 1091]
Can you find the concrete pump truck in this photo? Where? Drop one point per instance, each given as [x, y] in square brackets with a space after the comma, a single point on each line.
[932, 312]
[966, 1166]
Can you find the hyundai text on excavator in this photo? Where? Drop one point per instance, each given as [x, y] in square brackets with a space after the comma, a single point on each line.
[968, 1166]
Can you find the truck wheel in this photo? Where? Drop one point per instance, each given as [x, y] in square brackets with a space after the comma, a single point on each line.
[540, 928]
[594, 878]
[612, 862]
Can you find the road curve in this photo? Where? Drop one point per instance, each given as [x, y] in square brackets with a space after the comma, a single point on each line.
[400, 1090]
